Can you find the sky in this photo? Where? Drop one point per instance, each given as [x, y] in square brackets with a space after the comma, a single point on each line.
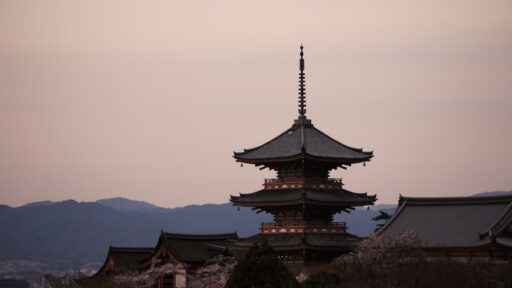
[149, 99]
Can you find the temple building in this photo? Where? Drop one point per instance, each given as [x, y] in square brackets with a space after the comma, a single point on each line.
[190, 250]
[469, 229]
[303, 199]
[124, 259]
[187, 251]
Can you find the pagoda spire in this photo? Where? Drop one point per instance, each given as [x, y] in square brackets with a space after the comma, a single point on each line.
[302, 86]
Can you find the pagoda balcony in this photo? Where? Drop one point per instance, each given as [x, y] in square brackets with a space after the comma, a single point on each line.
[297, 183]
[273, 227]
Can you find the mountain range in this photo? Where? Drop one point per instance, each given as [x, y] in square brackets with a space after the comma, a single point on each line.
[70, 235]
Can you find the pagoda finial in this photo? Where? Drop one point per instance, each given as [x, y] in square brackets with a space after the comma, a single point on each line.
[302, 86]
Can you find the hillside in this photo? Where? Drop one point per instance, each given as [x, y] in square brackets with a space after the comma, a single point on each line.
[127, 205]
[54, 236]
[494, 193]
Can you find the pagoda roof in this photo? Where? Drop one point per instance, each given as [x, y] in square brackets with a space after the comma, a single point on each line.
[124, 259]
[328, 197]
[303, 140]
[454, 221]
[280, 241]
[194, 248]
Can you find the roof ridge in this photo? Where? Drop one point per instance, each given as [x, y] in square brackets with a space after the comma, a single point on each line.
[200, 236]
[360, 150]
[457, 200]
[503, 221]
[266, 143]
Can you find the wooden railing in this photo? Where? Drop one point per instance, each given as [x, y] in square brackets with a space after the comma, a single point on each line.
[295, 183]
[333, 227]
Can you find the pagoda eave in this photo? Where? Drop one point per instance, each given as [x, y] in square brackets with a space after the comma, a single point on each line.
[336, 161]
[295, 241]
[305, 202]
[303, 196]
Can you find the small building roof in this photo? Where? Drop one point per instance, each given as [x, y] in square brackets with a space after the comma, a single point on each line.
[330, 197]
[455, 221]
[303, 140]
[193, 248]
[124, 259]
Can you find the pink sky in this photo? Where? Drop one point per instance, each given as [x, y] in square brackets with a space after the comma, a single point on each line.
[149, 99]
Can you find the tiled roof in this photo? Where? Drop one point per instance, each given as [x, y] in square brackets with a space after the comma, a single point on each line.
[125, 259]
[200, 237]
[455, 221]
[305, 140]
[194, 248]
[339, 196]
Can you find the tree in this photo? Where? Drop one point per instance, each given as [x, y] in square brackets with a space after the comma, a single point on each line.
[214, 274]
[396, 260]
[382, 216]
[261, 268]
[327, 276]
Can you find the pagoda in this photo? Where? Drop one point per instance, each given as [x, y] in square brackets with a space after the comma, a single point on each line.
[302, 199]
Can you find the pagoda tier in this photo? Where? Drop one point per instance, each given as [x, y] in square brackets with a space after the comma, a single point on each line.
[303, 150]
[304, 240]
[303, 196]
[304, 247]
[303, 210]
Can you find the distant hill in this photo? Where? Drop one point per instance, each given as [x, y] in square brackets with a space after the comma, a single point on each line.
[123, 204]
[494, 193]
[71, 234]
[118, 203]
[74, 234]
[39, 203]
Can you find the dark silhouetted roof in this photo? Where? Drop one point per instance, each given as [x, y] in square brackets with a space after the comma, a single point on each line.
[303, 140]
[124, 259]
[291, 240]
[194, 248]
[314, 196]
[454, 222]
